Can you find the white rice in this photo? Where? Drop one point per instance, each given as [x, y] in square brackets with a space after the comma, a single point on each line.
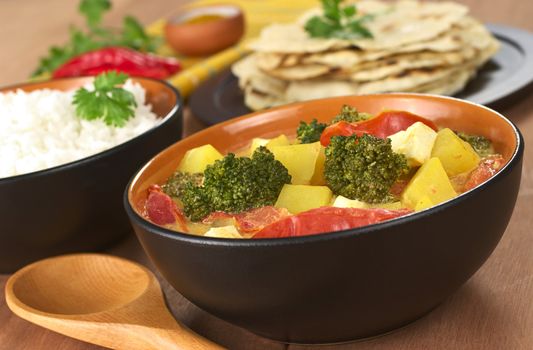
[40, 130]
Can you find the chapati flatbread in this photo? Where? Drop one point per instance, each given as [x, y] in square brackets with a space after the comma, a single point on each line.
[394, 25]
[431, 47]
[375, 70]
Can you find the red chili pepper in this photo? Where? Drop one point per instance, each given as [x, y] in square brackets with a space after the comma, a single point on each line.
[385, 124]
[121, 59]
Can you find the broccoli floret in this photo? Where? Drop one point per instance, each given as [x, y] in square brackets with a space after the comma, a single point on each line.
[363, 168]
[349, 114]
[175, 184]
[196, 204]
[236, 184]
[309, 133]
[480, 144]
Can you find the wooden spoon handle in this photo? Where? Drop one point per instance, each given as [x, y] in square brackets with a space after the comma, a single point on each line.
[106, 331]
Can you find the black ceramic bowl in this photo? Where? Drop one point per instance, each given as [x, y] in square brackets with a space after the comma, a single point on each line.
[344, 285]
[77, 206]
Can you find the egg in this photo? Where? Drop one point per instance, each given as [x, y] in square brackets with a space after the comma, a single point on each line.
[205, 30]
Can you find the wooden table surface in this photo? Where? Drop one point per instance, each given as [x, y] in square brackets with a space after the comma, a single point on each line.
[493, 310]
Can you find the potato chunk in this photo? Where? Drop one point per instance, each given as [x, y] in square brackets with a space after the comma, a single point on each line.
[318, 178]
[298, 198]
[456, 155]
[389, 206]
[299, 159]
[416, 143]
[281, 140]
[429, 186]
[197, 159]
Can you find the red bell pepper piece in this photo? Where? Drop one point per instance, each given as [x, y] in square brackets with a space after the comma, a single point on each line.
[385, 124]
[327, 219]
[120, 59]
[161, 210]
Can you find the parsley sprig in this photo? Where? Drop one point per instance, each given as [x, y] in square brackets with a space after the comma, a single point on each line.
[338, 22]
[96, 36]
[108, 100]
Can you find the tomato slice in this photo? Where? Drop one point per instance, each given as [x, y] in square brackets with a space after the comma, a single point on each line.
[327, 219]
[385, 124]
[161, 209]
[485, 170]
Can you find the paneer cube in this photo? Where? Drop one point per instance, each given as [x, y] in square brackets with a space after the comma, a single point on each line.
[257, 142]
[429, 186]
[197, 159]
[416, 143]
[456, 155]
[299, 198]
[223, 232]
[280, 140]
[299, 159]
[343, 202]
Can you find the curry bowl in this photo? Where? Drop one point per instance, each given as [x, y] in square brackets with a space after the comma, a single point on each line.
[345, 285]
[77, 206]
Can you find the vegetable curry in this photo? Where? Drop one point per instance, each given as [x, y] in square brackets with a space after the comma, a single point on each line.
[356, 170]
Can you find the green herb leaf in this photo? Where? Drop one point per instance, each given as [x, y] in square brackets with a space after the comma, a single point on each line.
[349, 11]
[109, 80]
[107, 101]
[56, 57]
[132, 35]
[338, 22]
[358, 30]
[319, 28]
[80, 43]
[93, 10]
[331, 10]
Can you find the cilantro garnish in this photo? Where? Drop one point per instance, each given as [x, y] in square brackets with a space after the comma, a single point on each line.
[96, 37]
[93, 11]
[338, 22]
[108, 101]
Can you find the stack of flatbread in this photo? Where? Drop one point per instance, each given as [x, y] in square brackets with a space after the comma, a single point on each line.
[429, 47]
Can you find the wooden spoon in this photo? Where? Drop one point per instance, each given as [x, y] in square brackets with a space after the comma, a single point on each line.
[99, 299]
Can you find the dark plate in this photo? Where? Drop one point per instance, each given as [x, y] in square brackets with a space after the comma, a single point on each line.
[220, 98]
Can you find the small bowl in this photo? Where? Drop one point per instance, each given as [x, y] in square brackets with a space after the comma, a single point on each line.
[77, 206]
[338, 286]
[204, 38]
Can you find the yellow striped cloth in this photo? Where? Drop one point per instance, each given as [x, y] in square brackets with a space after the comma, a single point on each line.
[258, 13]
